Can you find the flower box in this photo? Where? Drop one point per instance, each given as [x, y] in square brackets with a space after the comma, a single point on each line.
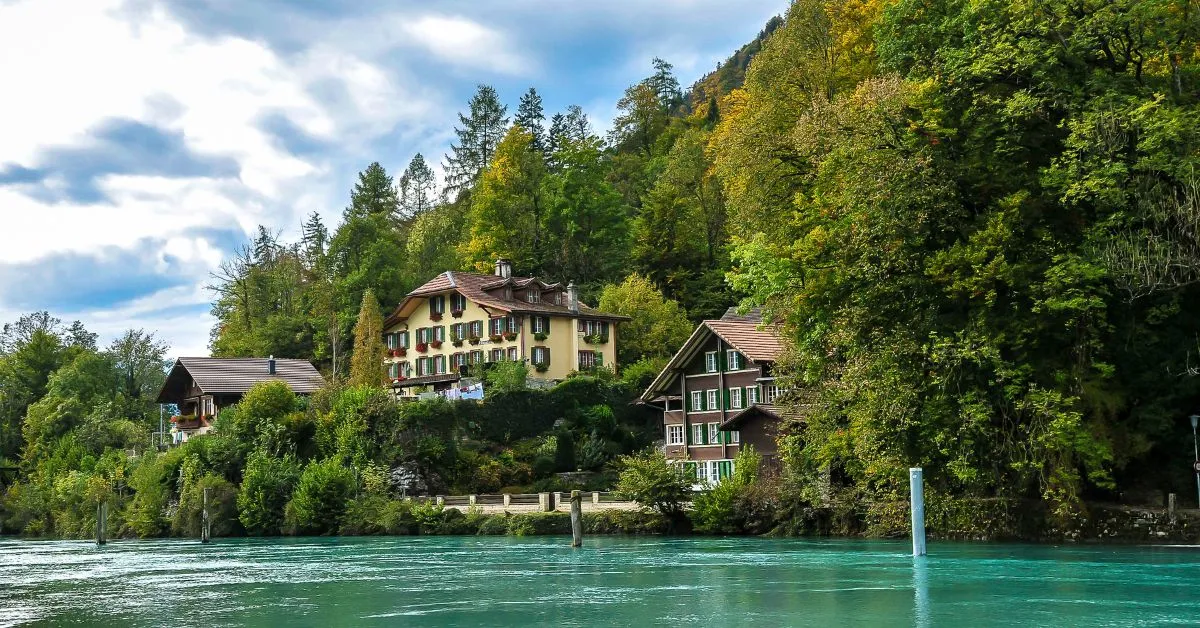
[595, 339]
[540, 336]
[456, 342]
[495, 338]
[422, 347]
[435, 316]
[456, 313]
[541, 367]
[436, 344]
[473, 340]
[512, 335]
[397, 353]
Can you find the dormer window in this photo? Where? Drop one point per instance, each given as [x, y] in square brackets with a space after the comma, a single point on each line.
[558, 298]
[437, 305]
[508, 293]
[534, 296]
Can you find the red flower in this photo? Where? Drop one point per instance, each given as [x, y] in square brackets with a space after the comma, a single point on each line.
[435, 316]
[456, 313]
[422, 347]
[436, 344]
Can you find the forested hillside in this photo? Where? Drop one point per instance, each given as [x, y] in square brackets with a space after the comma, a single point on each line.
[977, 222]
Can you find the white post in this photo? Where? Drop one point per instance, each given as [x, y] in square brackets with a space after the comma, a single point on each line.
[916, 482]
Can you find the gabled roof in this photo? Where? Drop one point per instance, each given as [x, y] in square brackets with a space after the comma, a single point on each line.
[475, 287]
[747, 334]
[225, 376]
[768, 410]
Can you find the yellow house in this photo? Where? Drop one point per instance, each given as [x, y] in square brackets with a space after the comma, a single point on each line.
[456, 322]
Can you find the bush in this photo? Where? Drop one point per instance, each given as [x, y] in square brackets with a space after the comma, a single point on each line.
[624, 522]
[539, 523]
[718, 511]
[222, 508]
[320, 499]
[267, 486]
[650, 480]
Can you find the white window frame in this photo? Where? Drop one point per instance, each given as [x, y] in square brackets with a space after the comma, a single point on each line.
[735, 398]
[713, 399]
[733, 360]
[533, 296]
[675, 435]
[714, 433]
[698, 434]
[751, 395]
[512, 354]
[710, 362]
[697, 400]
[770, 392]
[538, 325]
[735, 437]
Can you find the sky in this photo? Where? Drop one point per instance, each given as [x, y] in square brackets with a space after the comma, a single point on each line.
[141, 141]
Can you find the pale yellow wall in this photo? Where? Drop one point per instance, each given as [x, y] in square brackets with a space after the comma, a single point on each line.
[564, 340]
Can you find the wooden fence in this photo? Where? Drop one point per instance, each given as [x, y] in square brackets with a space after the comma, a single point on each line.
[532, 502]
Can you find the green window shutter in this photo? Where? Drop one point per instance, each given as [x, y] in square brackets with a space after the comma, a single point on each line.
[723, 469]
[725, 397]
[687, 434]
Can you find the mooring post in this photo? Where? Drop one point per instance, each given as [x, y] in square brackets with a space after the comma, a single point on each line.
[1171, 506]
[101, 523]
[576, 519]
[916, 486]
[204, 531]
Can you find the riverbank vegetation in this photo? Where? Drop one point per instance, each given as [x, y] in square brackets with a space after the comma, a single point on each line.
[976, 222]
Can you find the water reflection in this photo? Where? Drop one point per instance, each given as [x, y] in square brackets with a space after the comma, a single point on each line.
[920, 577]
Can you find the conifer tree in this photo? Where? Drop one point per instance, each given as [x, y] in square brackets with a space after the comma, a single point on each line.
[478, 136]
[417, 190]
[314, 237]
[374, 194]
[366, 365]
[531, 117]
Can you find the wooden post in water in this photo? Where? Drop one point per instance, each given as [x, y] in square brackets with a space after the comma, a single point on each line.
[102, 522]
[576, 519]
[916, 487]
[204, 531]
[1172, 504]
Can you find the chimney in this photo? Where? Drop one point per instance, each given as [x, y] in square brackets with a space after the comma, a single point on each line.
[572, 297]
[503, 268]
[271, 365]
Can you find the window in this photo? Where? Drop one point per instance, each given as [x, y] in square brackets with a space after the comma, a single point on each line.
[394, 370]
[540, 355]
[714, 435]
[457, 360]
[404, 339]
[511, 324]
[593, 328]
[735, 398]
[437, 305]
[558, 298]
[697, 433]
[587, 360]
[712, 399]
[770, 392]
[439, 364]
[391, 340]
[735, 437]
[533, 296]
[420, 366]
[476, 328]
[714, 471]
[710, 362]
[674, 434]
[697, 400]
[512, 354]
[733, 360]
[496, 355]
[458, 302]
[540, 325]
[477, 356]
[496, 326]
[751, 395]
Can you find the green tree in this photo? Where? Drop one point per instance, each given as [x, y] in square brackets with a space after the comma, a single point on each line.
[509, 206]
[658, 326]
[654, 482]
[531, 117]
[418, 191]
[478, 136]
[319, 501]
[266, 488]
[366, 365]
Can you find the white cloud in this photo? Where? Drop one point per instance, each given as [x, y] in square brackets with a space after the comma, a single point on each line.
[464, 42]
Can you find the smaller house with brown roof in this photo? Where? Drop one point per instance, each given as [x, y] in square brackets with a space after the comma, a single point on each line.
[201, 387]
[718, 394]
[457, 323]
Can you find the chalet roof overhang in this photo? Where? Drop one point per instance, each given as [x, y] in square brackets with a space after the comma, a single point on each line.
[425, 380]
[760, 345]
[764, 410]
[234, 376]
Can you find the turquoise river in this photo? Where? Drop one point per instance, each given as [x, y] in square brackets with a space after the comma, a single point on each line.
[611, 581]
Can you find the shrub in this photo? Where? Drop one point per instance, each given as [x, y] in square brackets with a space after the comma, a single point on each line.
[624, 522]
[539, 523]
[222, 508]
[650, 480]
[320, 499]
[266, 488]
[718, 511]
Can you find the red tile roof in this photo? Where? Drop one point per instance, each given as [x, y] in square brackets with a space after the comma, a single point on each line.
[478, 288]
[760, 345]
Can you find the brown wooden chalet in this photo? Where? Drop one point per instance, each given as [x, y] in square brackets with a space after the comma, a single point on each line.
[718, 393]
[201, 387]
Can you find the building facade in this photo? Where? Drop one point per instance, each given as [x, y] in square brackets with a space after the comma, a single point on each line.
[457, 323]
[718, 394]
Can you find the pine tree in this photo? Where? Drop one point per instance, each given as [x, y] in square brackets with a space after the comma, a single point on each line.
[571, 127]
[666, 85]
[418, 189]
[314, 237]
[374, 193]
[531, 117]
[366, 365]
[478, 136]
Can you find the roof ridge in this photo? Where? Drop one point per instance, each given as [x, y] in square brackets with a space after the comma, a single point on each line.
[450, 276]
